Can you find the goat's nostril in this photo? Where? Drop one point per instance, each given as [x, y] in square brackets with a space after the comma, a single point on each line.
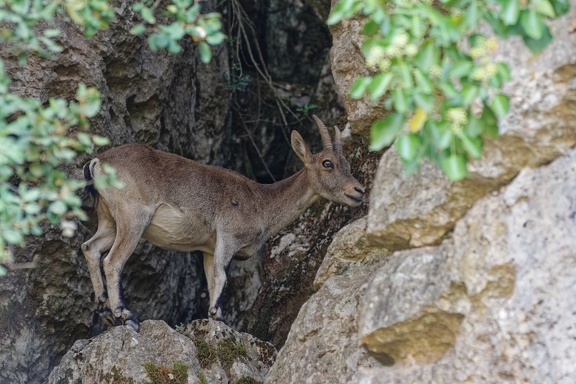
[359, 190]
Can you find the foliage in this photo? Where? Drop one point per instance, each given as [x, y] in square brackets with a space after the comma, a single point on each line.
[434, 71]
[229, 350]
[306, 109]
[237, 81]
[206, 355]
[37, 137]
[204, 29]
[159, 374]
[202, 377]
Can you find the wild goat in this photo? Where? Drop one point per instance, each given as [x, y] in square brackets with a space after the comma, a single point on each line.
[184, 205]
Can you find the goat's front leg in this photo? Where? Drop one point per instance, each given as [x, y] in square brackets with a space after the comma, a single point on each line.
[209, 272]
[226, 247]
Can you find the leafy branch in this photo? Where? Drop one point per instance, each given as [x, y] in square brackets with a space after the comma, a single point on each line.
[434, 71]
[204, 29]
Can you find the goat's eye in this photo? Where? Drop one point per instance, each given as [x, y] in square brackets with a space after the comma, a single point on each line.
[327, 164]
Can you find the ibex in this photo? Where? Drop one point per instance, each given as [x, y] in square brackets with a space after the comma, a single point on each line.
[184, 205]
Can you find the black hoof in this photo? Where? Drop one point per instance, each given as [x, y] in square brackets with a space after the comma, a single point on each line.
[106, 317]
[127, 318]
[133, 323]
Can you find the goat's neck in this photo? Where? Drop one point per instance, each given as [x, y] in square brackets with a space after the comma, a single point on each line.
[287, 199]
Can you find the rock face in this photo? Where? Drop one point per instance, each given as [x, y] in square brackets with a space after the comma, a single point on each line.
[490, 304]
[456, 282]
[204, 351]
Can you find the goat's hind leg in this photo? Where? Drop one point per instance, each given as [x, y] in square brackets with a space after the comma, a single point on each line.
[129, 229]
[93, 250]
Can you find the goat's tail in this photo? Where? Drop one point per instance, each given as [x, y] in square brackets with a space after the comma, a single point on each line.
[89, 177]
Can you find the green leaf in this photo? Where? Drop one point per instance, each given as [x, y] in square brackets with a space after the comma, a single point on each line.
[469, 93]
[216, 38]
[426, 102]
[379, 85]
[424, 85]
[537, 46]
[472, 15]
[429, 55]
[383, 132]
[12, 237]
[441, 135]
[138, 29]
[51, 32]
[475, 127]
[500, 105]
[448, 90]
[3, 271]
[460, 68]
[544, 7]
[359, 87]
[400, 100]
[490, 122]
[370, 28]
[148, 15]
[408, 146]
[344, 9]
[455, 167]
[510, 11]
[532, 23]
[100, 140]
[405, 75]
[205, 52]
[503, 71]
[560, 7]
[31, 195]
[472, 145]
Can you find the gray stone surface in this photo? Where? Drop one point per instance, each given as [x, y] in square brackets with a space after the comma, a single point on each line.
[491, 304]
[322, 346]
[347, 65]
[119, 355]
[511, 265]
[350, 246]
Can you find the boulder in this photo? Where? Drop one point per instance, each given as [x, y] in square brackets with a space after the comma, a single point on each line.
[204, 351]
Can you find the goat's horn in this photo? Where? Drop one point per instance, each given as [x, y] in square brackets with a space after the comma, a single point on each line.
[337, 140]
[326, 140]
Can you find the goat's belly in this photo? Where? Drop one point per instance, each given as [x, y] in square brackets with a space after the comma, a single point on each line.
[169, 228]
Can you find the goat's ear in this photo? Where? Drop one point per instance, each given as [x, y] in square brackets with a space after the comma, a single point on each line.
[300, 147]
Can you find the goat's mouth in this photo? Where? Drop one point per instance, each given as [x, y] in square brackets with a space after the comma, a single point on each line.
[357, 199]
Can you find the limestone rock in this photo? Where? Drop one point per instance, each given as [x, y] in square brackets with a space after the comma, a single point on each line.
[322, 346]
[204, 348]
[492, 303]
[510, 264]
[348, 247]
[399, 320]
[347, 65]
[417, 210]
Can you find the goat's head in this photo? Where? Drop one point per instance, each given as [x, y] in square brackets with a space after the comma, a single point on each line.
[328, 171]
